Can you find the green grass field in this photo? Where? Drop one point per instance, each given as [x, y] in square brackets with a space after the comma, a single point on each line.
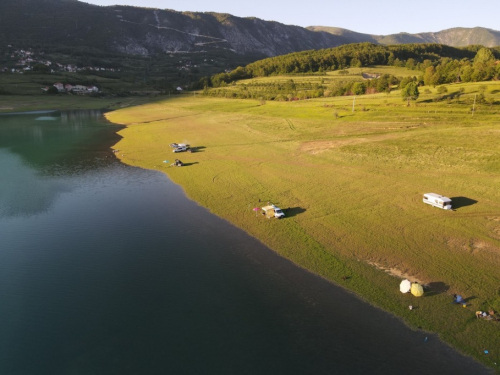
[352, 185]
[22, 92]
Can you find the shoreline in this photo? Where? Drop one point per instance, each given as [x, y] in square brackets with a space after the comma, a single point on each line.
[327, 265]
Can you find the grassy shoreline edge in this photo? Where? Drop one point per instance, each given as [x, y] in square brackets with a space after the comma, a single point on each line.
[177, 120]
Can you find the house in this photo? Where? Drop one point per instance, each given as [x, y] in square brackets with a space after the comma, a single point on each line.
[79, 88]
[179, 88]
[59, 86]
[92, 89]
[68, 87]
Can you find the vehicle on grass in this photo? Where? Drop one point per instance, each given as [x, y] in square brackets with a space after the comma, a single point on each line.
[437, 200]
[175, 145]
[180, 148]
[272, 211]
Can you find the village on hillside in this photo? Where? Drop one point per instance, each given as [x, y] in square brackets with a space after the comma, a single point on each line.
[26, 60]
[76, 89]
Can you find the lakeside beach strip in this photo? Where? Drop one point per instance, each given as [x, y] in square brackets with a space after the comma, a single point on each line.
[351, 187]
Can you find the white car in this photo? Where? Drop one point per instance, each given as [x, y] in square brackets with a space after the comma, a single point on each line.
[180, 149]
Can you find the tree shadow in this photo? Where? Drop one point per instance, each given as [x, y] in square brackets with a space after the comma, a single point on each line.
[436, 287]
[494, 91]
[293, 211]
[196, 149]
[459, 202]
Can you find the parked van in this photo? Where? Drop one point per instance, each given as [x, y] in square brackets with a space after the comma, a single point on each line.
[272, 211]
[437, 200]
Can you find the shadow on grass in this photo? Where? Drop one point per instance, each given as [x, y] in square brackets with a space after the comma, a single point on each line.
[468, 299]
[188, 164]
[294, 211]
[494, 91]
[442, 97]
[435, 288]
[459, 202]
[196, 149]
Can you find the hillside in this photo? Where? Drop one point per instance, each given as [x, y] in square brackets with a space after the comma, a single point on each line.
[146, 31]
[456, 37]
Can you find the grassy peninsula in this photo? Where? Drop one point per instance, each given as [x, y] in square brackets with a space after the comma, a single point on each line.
[350, 176]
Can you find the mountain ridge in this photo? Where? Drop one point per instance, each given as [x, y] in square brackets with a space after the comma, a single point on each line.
[150, 31]
[455, 37]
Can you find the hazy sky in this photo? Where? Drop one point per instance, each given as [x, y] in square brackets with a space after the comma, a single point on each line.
[373, 17]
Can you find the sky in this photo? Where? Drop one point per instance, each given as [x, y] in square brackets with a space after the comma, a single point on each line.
[380, 17]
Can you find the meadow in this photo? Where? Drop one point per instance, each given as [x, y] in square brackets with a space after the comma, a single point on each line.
[22, 92]
[350, 175]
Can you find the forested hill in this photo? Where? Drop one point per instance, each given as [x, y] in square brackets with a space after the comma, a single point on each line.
[457, 37]
[147, 31]
[444, 63]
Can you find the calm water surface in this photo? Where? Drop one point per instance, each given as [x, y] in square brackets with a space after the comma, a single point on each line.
[109, 269]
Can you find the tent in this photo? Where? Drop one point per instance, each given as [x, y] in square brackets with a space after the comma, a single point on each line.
[417, 290]
[405, 286]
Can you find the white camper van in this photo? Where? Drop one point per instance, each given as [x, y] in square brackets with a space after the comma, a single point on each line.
[272, 211]
[437, 200]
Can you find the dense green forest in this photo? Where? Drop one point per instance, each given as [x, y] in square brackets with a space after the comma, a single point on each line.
[433, 64]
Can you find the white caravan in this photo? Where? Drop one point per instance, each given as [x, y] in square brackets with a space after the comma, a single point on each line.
[437, 200]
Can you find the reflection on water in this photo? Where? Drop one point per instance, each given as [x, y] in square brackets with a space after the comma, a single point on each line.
[37, 156]
[25, 191]
[108, 269]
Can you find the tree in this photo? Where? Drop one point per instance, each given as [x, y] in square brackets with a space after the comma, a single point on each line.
[429, 76]
[410, 63]
[410, 92]
[483, 65]
[358, 88]
[52, 90]
[405, 81]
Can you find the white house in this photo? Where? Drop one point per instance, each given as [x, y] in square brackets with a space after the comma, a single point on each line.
[79, 88]
[59, 86]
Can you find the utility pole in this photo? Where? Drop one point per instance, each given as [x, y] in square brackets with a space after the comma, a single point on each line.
[353, 101]
[474, 105]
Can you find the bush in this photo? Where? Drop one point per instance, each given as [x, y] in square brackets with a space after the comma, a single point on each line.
[52, 90]
[442, 90]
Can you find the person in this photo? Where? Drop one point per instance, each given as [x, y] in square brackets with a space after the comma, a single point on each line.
[479, 314]
[410, 307]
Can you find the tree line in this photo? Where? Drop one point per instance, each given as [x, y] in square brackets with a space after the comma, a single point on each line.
[436, 63]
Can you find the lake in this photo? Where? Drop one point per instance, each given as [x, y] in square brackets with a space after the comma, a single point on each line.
[110, 269]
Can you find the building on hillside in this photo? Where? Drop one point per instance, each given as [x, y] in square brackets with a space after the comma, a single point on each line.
[92, 89]
[79, 88]
[68, 87]
[59, 86]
